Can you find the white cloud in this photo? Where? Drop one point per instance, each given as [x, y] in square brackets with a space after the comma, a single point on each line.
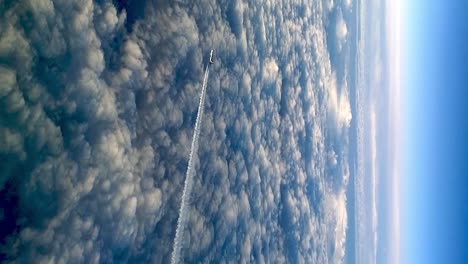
[270, 70]
[341, 30]
[103, 117]
[341, 219]
[338, 101]
[348, 3]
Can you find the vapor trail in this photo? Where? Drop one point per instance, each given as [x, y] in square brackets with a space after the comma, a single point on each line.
[188, 185]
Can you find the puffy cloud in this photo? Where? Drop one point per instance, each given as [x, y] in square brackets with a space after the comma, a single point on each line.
[348, 3]
[338, 102]
[270, 70]
[100, 116]
[341, 30]
[338, 216]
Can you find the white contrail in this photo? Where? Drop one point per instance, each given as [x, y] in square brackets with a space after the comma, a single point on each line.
[188, 186]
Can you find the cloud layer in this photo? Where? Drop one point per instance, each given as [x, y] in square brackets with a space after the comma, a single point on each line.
[97, 114]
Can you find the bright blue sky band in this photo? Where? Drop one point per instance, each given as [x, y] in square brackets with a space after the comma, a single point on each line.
[435, 177]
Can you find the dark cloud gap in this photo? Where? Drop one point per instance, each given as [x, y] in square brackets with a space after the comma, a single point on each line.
[9, 202]
[135, 10]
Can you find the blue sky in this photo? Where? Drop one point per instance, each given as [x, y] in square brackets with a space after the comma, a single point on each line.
[435, 169]
[420, 132]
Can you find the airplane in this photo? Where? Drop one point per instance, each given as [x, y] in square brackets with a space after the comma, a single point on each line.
[211, 57]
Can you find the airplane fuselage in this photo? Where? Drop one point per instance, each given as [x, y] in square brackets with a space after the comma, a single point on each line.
[211, 57]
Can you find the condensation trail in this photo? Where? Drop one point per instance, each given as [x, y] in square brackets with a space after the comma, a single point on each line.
[188, 185]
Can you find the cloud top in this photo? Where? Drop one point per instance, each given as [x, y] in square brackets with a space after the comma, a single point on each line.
[99, 103]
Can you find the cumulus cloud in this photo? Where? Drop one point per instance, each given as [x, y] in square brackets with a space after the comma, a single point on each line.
[341, 30]
[270, 70]
[99, 113]
[348, 3]
[338, 102]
